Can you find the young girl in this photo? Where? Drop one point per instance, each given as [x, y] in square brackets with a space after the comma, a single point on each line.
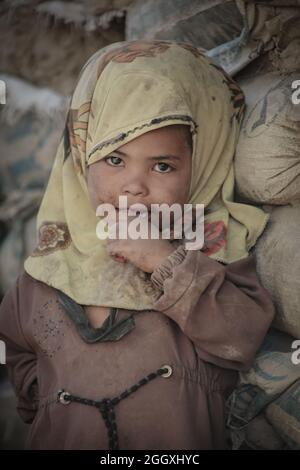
[136, 344]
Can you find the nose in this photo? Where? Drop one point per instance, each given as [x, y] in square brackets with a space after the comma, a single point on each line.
[134, 185]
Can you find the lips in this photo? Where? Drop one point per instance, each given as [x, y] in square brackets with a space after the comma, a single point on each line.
[134, 212]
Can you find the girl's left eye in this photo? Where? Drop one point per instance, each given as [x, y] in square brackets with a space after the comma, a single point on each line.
[113, 160]
[164, 167]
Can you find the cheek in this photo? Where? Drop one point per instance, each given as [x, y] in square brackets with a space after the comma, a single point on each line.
[94, 185]
[99, 187]
[172, 192]
[182, 193]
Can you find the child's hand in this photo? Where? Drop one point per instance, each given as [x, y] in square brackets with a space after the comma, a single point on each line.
[145, 254]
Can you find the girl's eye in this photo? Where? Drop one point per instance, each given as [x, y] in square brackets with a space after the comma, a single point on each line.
[113, 161]
[163, 167]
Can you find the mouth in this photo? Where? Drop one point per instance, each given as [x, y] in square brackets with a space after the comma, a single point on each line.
[150, 214]
[132, 212]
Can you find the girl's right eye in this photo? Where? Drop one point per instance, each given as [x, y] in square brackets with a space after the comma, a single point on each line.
[114, 160]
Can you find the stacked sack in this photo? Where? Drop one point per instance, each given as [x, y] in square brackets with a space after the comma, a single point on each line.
[31, 125]
[263, 411]
[47, 42]
[207, 24]
[267, 163]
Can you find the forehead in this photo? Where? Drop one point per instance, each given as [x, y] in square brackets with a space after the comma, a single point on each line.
[167, 137]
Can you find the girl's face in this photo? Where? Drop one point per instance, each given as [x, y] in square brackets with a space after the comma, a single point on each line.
[154, 168]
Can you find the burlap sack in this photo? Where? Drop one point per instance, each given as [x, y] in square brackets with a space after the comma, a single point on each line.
[32, 122]
[267, 161]
[278, 265]
[260, 435]
[48, 50]
[285, 422]
[265, 28]
[269, 389]
[206, 24]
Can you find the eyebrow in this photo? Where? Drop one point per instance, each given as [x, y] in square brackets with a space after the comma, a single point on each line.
[159, 157]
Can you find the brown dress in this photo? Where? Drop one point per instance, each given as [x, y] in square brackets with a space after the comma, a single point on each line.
[207, 324]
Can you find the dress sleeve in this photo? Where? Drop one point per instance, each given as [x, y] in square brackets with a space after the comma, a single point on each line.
[21, 360]
[223, 309]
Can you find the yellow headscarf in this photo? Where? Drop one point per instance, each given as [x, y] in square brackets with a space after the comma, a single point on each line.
[123, 91]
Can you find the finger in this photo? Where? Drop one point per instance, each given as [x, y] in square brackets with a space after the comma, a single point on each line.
[119, 258]
[112, 250]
